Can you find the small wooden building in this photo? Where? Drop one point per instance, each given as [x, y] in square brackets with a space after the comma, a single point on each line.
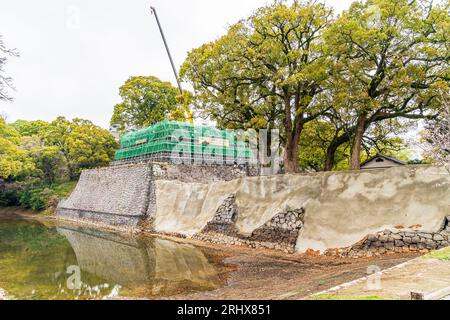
[381, 161]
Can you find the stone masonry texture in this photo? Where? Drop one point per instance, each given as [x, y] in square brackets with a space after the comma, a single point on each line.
[120, 190]
[398, 241]
[280, 233]
[341, 208]
[329, 212]
[123, 196]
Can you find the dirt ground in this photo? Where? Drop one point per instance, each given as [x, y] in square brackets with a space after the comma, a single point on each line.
[428, 275]
[20, 213]
[272, 276]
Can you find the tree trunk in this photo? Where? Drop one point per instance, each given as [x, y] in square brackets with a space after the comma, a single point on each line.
[334, 145]
[293, 129]
[291, 156]
[329, 161]
[356, 148]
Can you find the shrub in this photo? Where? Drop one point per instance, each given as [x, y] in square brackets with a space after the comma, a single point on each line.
[35, 194]
[8, 198]
[35, 198]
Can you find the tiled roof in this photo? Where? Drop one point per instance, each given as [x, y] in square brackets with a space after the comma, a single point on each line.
[379, 155]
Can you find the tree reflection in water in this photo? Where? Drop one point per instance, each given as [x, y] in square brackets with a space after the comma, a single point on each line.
[45, 262]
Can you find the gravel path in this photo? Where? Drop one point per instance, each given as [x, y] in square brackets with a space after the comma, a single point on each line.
[428, 274]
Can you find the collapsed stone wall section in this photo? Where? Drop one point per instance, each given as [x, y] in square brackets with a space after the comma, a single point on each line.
[280, 233]
[284, 228]
[225, 218]
[125, 197]
[389, 241]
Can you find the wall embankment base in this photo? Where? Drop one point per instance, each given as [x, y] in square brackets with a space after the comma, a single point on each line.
[356, 213]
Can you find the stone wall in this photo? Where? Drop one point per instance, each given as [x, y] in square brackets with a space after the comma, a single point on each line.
[114, 190]
[340, 208]
[280, 233]
[123, 196]
[320, 211]
[201, 174]
[390, 241]
[127, 223]
[112, 196]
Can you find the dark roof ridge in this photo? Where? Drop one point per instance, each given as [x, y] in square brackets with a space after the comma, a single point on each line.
[379, 155]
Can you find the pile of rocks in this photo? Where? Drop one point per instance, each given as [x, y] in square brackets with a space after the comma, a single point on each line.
[283, 229]
[291, 220]
[224, 220]
[280, 233]
[227, 211]
[398, 241]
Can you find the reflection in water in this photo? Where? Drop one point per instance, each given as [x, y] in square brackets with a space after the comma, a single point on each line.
[67, 262]
[146, 266]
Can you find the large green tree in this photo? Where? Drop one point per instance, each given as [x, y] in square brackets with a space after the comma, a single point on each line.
[146, 101]
[14, 161]
[63, 147]
[83, 144]
[318, 136]
[391, 60]
[38, 140]
[38, 159]
[265, 72]
[382, 133]
[37, 128]
[315, 139]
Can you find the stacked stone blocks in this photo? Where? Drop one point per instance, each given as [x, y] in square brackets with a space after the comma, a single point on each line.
[390, 241]
[280, 233]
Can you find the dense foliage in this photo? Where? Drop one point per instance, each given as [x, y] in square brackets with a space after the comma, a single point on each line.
[146, 101]
[390, 60]
[266, 72]
[38, 159]
[340, 88]
[380, 65]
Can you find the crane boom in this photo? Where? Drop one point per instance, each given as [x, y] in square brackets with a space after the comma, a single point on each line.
[167, 49]
[185, 104]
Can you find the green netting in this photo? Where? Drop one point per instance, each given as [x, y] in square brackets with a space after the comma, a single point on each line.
[171, 137]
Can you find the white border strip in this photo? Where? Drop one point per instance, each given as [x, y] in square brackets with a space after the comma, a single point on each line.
[363, 279]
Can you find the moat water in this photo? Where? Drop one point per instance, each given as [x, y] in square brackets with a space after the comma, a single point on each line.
[47, 261]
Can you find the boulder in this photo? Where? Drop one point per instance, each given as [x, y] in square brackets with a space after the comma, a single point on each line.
[399, 243]
[438, 237]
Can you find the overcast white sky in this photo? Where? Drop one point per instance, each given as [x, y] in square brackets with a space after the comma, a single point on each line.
[75, 54]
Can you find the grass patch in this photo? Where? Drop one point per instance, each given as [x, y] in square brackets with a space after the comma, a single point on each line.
[64, 189]
[443, 254]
